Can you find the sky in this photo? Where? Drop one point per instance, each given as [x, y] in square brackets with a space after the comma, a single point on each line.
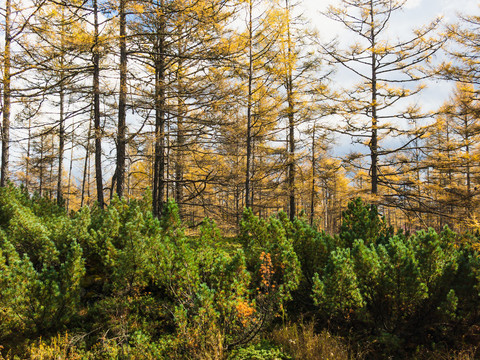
[416, 13]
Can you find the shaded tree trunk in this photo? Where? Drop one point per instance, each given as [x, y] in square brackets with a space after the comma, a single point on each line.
[159, 163]
[312, 193]
[122, 103]
[96, 110]
[249, 107]
[61, 143]
[374, 137]
[85, 165]
[291, 122]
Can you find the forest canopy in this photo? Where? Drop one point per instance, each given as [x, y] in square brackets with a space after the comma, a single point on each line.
[226, 105]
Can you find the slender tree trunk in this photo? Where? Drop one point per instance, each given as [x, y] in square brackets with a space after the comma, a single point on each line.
[96, 110]
[51, 161]
[70, 169]
[29, 144]
[168, 150]
[42, 140]
[468, 170]
[122, 103]
[291, 120]
[85, 165]
[61, 143]
[179, 165]
[89, 167]
[6, 98]
[179, 157]
[374, 138]
[312, 194]
[159, 164]
[61, 130]
[248, 203]
[252, 174]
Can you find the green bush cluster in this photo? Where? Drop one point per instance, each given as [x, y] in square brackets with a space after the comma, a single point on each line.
[41, 266]
[398, 292]
[118, 283]
[129, 285]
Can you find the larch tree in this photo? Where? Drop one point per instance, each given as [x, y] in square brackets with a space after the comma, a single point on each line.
[301, 72]
[261, 99]
[96, 103]
[289, 65]
[389, 71]
[463, 50]
[58, 69]
[122, 100]
[177, 42]
[17, 16]
[455, 154]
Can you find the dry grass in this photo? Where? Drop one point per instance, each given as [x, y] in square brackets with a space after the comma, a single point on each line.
[302, 343]
[468, 354]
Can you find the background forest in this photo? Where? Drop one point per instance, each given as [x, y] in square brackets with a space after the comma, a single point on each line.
[194, 179]
[226, 105]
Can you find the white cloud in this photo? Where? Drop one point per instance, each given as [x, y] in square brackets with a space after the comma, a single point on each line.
[411, 4]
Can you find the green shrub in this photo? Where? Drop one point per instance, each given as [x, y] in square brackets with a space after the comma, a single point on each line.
[401, 291]
[41, 267]
[262, 351]
[362, 221]
[271, 258]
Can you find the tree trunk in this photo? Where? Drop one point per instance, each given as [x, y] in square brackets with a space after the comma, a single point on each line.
[85, 165]
[312, 194]
[42, 141]
[61, 143]
[249, 108]
[29, 144]
[69, 184]
[179, 158]
[122, 103]
[96, 111]
[6, 98]
[291, 122]
[61, 130]
[374, 137]
[159, 164]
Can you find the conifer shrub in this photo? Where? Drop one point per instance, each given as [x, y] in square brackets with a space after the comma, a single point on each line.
[41, 267]
[362, 221]
[397, 291]
[260, 351]
[118, 283]
[271, 259]
[154, 279]
[312, 248]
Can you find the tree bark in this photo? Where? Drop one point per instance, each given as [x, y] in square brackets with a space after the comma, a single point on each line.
[61, 143]
[374, 136]
[122, 103]
[4, 172]
[248, 203]
[291, 121]
[159, 163]
[61, 127]
[85, 165]
[96, 110]
[312, 193]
